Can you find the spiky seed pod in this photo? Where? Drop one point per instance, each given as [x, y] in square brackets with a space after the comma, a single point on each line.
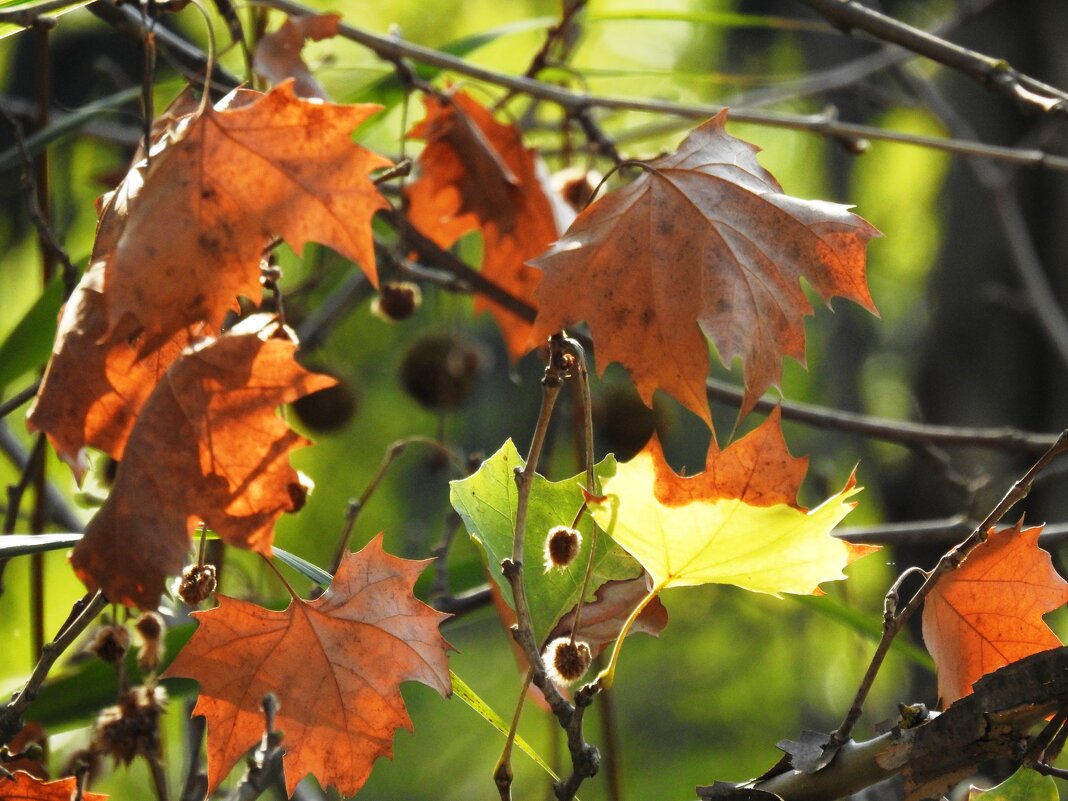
[149, 627]
[565, 661]
[561, 547]
[196, 584]
[131, 728]
[397, 300]
[111, 643]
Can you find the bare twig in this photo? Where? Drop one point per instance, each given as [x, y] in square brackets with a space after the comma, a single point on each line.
[50, 245]
[393, 452]
[11, 713]
[949, 562]
[18, 399]
[993, 73]
[1006, 439]
[824, 124]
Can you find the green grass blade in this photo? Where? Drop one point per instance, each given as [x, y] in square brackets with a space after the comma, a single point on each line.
[830, 607]
[470, 697]
[30, 342]
[304, 567]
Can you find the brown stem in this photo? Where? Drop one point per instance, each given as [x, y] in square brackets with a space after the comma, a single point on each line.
[950, 561]
[11, 713]
[995, 74]
[393, 452]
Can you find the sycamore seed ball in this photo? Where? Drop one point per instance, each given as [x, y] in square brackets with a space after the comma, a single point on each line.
[565, 661]
[561, 547]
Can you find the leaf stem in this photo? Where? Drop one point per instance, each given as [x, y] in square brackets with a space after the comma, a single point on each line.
[607, 676]
[270, 563]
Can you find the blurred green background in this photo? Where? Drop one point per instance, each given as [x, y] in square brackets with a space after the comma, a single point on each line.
[733, 673]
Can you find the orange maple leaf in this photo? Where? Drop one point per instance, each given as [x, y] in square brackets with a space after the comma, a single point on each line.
[24, 787]
[988, 612]
[335, 664]
[92, 391]
[278, 55]
[475, 174]
[227, 183]
[704, 241]
[208, 445]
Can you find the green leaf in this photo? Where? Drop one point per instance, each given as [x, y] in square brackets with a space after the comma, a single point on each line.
[1024, 785]
[22, 544]
[30, 342]
[487, 503]
[470, 697]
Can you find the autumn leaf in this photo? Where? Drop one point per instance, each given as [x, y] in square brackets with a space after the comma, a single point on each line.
[335, 664]
[988, 612]
[487, 501]
[704, 243]
[23, 787]
[208, 445]
[736, 523]
[227, 184]
[278, 56]
[602, 619]
[475, 174]
[92, 391]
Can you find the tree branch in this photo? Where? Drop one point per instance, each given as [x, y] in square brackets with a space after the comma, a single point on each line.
[1005, 439]
[996, 720]
[576, 103]
[995, 74]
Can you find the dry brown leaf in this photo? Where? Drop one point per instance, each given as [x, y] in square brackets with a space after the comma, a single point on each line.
[335, 664]
[93, 391]
[475, 174]
[603, 618]
[988, 612]
[208, 445]
[703, 243]
[23, 787]
[226, 185]
[278, 55]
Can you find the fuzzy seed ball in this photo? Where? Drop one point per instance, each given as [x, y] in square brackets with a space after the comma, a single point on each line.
[196, 584]
[561, 547]
[149, 628]
[566, 662]
[397, 300]
[111, 643]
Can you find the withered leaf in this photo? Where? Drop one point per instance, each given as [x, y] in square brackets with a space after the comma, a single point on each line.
[278, 54]
[704, 243]
[476, 174]
[208, 446]
[225, 186]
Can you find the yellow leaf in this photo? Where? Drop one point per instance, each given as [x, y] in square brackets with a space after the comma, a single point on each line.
[732, 524]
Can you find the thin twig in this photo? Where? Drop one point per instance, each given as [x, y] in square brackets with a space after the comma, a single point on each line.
[995, 74]
[949, 562]
[18, 399]
[823, 124]
[1006, 439]
[50, 246]
[11, 713]
[393, 452]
